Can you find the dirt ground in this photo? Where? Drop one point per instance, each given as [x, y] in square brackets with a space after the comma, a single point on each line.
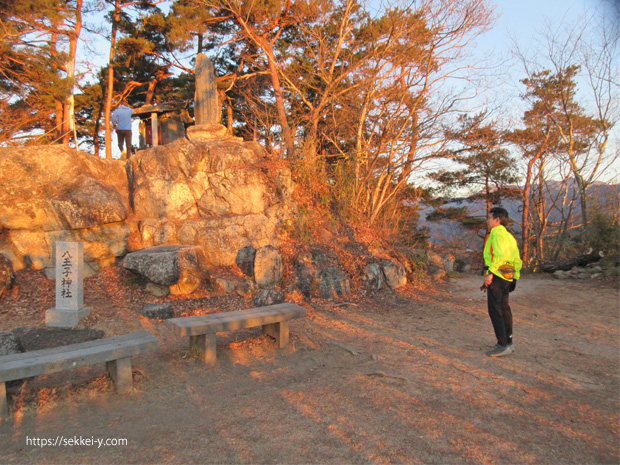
[393, 378]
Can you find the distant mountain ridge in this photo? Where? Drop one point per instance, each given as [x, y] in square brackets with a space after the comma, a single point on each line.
[452, 234]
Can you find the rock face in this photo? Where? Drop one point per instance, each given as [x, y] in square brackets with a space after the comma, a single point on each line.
[221, 195]
[218, 195]
[51, 193]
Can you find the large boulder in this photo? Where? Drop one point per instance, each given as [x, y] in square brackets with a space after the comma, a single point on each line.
[333, 283]
[180, 267]
[268, 267]
[50, 193]
[316, 278]
[221, 195]
[395, 274]
[373, 276]
[102, 244]
[245, 260]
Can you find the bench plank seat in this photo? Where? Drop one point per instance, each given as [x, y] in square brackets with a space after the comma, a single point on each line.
[201, 329]
[116, 352]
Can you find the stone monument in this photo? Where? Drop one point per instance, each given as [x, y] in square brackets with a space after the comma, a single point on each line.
[69, 286]
[207, 112]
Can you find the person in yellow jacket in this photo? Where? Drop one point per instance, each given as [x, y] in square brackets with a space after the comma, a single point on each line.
[503, 265]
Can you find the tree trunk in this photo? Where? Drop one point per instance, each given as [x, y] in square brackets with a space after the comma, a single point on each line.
[487, 191]
[413, 147]
[289, 141]
[68, 123]
[567, 265]
[584, 212]
[542, 217]
[110, 86]
[525, 217]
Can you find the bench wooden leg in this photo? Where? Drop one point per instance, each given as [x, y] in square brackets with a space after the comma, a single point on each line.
[278, 331]
[204, 344]
[120, 371]
[4, 403]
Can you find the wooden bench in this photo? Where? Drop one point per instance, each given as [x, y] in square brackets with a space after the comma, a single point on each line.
[115, 351]
[201, 329]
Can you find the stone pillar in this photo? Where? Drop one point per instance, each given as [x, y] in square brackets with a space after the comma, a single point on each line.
[69, 286]
[206, 108]
[207, 111]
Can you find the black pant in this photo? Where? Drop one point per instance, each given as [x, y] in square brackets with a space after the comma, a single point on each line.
[499, 309]
[124, 135]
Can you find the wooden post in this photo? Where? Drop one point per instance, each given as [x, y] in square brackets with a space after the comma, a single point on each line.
[154, 130]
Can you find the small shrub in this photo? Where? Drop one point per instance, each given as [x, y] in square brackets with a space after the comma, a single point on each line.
[604, 232]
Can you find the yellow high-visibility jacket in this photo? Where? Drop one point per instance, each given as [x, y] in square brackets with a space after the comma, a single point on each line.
[500, 249]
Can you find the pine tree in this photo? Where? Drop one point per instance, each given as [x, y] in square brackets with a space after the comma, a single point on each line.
[486, 163]
[37, 67]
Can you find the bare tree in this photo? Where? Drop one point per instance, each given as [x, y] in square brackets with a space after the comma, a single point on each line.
[586, 54]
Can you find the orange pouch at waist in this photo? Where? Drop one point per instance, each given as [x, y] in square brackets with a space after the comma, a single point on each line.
[507, 271]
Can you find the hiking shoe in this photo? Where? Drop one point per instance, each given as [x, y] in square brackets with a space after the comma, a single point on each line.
[512, 347]
[499, 351]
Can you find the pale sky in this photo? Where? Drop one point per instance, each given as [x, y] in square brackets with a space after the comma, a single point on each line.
[525, 22]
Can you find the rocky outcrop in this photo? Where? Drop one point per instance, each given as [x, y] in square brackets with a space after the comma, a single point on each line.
[51, 193]
[221, 195]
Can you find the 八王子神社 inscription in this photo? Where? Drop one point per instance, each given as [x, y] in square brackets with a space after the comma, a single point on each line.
[69, 308]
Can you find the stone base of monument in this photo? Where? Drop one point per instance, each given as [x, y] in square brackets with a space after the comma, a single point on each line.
[64, 318]
[206, 132]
